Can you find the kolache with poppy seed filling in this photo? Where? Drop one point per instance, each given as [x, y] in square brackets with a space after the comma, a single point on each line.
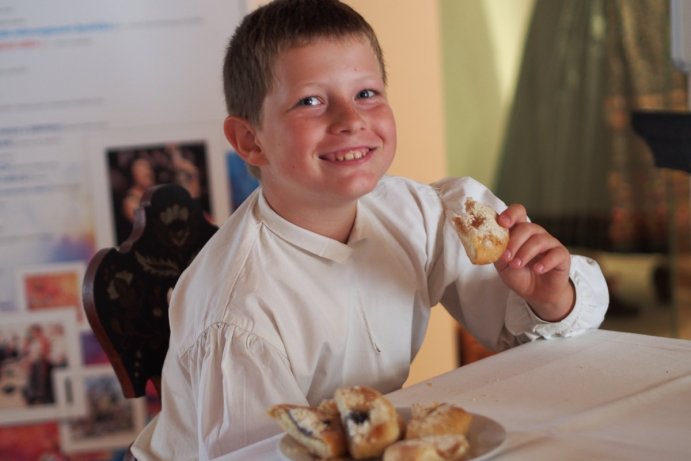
[371, 422]
[318, 429]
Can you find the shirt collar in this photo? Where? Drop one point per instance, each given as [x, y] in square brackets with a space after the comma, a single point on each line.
[359, 231]
[307, 240]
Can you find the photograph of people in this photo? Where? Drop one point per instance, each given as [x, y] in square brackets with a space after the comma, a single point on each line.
[133, 170]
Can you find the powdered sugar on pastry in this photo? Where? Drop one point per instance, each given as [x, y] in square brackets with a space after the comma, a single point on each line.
[437, 419]
[453, 447]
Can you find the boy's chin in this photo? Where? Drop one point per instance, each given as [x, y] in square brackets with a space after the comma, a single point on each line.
[361, 187]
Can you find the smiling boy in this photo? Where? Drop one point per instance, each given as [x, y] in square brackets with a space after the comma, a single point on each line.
[327, 133]
[325, 276]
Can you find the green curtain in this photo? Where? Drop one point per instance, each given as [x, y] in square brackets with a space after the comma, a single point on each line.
[569, 154]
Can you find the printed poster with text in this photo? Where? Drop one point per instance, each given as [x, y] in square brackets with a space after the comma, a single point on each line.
[98, 100]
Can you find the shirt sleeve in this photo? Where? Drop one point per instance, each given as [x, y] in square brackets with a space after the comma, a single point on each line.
[592, 299]
[477, 297]
[231, 373]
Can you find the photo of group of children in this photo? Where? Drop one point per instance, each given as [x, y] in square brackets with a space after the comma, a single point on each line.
[32, 348]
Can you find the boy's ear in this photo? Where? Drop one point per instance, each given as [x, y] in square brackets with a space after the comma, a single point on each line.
[242, 135]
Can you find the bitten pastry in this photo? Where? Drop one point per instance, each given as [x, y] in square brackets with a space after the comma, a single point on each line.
[482, 237]
[371, 422]
[437, 419]
[319, 429]
[429, 448]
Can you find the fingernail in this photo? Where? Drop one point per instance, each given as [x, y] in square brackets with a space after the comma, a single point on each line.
[539, 268]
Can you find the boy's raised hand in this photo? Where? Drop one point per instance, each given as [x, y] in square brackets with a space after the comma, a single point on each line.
[536, 266]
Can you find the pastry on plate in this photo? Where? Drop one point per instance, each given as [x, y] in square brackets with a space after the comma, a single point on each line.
[429, 448]
[318, 429]
[437, 419]
[371, 422]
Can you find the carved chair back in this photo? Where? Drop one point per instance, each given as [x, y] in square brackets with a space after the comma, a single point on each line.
[126, 289]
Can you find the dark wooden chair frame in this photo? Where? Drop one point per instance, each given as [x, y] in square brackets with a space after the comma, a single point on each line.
[126, 289]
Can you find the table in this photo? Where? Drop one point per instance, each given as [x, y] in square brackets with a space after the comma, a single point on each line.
[601, 395]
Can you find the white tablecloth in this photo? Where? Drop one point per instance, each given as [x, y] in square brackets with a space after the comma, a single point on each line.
[602, 395]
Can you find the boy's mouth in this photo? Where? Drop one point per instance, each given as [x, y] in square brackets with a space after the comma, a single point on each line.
[344, 156]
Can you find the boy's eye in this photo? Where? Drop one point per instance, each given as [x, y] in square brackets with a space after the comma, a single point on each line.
[309, 101]
[364, 94]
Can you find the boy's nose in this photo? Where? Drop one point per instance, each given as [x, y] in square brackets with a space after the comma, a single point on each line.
[347, 118]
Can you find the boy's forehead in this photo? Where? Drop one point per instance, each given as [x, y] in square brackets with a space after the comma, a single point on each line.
[304, 65]
[350, 39]
[300, 42]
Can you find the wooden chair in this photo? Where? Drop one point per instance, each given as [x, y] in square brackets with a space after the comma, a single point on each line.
[126, 289]
[469, 349]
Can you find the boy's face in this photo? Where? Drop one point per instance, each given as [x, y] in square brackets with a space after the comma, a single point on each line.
[327, 133]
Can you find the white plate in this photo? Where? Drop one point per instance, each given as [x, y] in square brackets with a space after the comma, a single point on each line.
[485, 435]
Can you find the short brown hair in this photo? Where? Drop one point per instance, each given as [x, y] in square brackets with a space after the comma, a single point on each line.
[273, 28]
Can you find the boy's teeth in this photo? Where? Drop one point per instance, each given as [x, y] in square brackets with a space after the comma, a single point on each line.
[352, 155]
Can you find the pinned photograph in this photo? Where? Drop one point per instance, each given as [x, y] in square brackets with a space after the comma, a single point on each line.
[132, 170]
[53, 286]
[33, 347]
[109, 421]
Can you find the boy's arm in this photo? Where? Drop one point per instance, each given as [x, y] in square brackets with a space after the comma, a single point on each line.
[480, 299]
[590, 305]
[536, 266]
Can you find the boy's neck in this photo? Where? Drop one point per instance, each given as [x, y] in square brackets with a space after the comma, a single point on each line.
[332, 222]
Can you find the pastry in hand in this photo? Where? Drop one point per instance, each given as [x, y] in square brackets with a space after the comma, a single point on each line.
[437, 419]
[429, 448]
[319, 429]
[370, 420]
[482, 237]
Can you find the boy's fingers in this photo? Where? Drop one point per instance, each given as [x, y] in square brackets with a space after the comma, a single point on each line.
[551, 259]
[503, 262]
[515, 213]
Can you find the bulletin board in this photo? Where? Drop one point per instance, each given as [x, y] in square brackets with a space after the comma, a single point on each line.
[87, 89]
